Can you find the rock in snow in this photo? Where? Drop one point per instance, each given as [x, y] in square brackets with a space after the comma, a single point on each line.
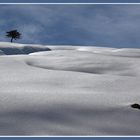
[137, 106]
[70, 90]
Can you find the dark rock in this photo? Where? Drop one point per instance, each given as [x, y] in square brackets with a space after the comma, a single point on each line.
[137, 106]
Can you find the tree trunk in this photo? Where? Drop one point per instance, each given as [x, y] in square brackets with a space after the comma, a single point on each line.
[12, 39]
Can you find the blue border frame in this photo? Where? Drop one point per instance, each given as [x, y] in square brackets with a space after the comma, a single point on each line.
[69, 138]
[69, 1]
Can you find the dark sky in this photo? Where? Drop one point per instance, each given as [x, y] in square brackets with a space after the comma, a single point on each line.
[101, 25]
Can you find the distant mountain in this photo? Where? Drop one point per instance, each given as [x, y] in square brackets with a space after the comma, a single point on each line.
[15, 48]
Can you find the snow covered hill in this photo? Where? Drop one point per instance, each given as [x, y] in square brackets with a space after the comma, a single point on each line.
[14, 48]
[69, 90]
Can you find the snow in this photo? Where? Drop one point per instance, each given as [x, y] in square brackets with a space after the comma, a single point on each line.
[70, 90]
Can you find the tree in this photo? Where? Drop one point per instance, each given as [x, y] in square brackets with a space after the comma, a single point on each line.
[14, 34]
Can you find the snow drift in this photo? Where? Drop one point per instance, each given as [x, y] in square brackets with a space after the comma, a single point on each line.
[70, 90]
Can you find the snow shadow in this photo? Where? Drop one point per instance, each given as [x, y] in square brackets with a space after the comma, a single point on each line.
[69, 119]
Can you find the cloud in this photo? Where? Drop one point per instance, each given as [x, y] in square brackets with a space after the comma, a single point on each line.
[103, 25]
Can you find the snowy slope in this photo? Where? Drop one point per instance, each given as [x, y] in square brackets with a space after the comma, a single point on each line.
[70, 90]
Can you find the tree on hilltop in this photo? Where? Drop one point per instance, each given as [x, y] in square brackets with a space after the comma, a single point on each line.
[14, 34]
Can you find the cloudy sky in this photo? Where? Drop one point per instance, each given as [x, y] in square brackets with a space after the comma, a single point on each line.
[101, 25]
